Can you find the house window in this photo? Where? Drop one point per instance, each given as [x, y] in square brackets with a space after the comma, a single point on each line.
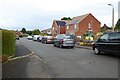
[53, 28]
[75, 26]
[67, 27]
[89, 25]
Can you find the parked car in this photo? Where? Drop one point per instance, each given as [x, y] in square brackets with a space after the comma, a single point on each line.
[63, 40]
[29, 37]
[39, 38]
[17, 38]
[35, 37]
[47, 39]
[108, 42]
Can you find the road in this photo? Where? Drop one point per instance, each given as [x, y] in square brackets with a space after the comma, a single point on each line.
[74, 63]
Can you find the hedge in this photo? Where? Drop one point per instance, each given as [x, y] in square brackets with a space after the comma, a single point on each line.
[23, 35]
[8, 43]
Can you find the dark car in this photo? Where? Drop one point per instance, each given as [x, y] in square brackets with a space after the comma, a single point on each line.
[47, 39]
[108, 42]
[39, 38]
[17, 38]
[63, 40]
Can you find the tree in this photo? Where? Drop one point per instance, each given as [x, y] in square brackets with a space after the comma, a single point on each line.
[29, 32]
[105, 28]
[36, 32]
[117, 26]
[66, 18]
[23, 30]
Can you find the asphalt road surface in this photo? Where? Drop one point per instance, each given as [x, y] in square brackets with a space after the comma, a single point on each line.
[74, 63]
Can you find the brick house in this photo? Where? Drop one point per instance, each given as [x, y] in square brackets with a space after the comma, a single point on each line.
[78, 25]
[106, 28]
[81, 24]
[18, 33]
[47, 31]
[58, 27]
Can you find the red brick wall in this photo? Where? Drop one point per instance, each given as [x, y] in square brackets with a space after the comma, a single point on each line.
[72, 29]
[62, 29]
[83, 26]
[57, 30]
[54, 32]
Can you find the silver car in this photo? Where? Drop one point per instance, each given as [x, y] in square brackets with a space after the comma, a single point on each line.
[63, 40]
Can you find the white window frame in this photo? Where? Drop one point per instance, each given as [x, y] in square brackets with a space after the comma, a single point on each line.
[75, 26]
[89, 25]
[53, 28]
[67, 26]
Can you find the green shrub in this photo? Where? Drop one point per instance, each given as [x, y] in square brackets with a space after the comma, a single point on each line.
[85, 43]
[8, 43]
[23, 35]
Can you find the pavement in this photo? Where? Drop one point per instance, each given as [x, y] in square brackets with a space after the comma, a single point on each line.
[23, 66]
[84, 47]
[20, 50]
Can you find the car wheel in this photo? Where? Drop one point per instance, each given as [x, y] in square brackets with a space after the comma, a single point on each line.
[72, 47]
[97, 52]
[61, 45]
[54, 45]
[37, 40]
[45, 42]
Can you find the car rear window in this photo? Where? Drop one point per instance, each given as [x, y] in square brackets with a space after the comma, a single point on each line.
[69, 37]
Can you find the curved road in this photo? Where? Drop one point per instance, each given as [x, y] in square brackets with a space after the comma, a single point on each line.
[74, 63]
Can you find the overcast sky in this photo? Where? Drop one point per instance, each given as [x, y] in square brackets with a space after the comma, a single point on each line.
[39, 14]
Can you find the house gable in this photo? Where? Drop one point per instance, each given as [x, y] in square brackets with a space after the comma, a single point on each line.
[84, 23]
[95, 18]
[89, 23]
[58, 27]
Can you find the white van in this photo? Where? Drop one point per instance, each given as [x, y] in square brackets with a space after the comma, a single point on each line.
[35, 37]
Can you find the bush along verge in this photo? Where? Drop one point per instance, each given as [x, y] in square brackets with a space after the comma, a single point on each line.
[8, 44]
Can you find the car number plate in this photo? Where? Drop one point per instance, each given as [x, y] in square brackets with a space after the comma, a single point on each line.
[69, 41]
